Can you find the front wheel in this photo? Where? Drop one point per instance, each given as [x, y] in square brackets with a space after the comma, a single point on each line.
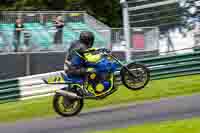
[141, 79]
[65, 106]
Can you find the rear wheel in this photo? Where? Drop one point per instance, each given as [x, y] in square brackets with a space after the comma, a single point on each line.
[142, 76]
[65, 106]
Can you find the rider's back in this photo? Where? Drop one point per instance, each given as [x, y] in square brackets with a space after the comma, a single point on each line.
[74, 65]
[75, 45]
[74, 62]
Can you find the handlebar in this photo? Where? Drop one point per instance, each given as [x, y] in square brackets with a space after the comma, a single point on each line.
[103, 50]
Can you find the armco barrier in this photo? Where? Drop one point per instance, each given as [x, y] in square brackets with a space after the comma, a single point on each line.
[23, 64]
[26, 87]
[172, 65]
[160, 67]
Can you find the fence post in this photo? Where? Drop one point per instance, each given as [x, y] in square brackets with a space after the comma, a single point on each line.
[126, 28]
[28, 64]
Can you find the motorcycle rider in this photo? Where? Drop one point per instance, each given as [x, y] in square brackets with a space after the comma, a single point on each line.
[74, 64]
[80, 51]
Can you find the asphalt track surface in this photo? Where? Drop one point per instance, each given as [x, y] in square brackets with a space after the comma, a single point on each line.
[115, 117]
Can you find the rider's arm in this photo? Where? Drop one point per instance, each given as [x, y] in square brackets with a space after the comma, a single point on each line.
[73, 63]
[74, 69]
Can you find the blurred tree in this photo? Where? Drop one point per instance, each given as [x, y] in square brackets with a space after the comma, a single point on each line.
[55, 5]
[107, 11]
[190, 12]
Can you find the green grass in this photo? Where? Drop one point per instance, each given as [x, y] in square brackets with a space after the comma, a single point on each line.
[156, 89]
[179, 126]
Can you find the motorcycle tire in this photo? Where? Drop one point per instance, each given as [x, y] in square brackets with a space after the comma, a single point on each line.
[70, 102]
[138, 70]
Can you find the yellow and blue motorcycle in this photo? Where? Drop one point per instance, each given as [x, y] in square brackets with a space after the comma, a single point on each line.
[98, 83]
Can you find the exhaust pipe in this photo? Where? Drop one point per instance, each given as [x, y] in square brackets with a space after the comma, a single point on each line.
[69, 94]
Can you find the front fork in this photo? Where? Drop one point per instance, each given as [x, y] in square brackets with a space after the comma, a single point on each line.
[123, 66]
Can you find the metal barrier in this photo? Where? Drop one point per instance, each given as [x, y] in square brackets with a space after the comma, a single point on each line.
[142, 39]
[26, 88]
[40, 16]
[36, 37]
[34, 40]
[42, 39]
[40, 26]
[160, 67]
[24, 64]
[39, 31]
[30, 63]
[101, 28]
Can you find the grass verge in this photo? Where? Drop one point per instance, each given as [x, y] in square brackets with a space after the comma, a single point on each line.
[11, 112]
[179, 126]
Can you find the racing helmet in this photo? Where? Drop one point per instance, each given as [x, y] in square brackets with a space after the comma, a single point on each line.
[87, 38]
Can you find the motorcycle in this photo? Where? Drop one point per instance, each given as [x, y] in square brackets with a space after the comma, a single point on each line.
[98, 83]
